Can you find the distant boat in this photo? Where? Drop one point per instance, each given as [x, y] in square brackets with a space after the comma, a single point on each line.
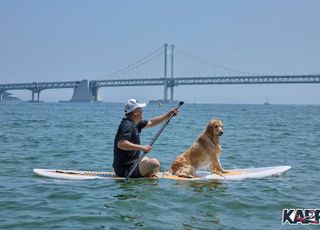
[267, 102]
[163, 102]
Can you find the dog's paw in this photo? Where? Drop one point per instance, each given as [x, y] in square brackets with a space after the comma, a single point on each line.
[220, 171]
[185, 175]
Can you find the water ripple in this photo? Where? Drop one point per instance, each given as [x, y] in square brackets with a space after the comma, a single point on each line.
[67, 136]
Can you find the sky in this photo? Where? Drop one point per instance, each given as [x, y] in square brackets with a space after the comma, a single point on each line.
[65, 40]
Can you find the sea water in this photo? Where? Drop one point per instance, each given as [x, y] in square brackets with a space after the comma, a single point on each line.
[80, 136]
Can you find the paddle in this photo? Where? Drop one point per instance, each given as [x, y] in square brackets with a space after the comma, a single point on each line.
[152, 142]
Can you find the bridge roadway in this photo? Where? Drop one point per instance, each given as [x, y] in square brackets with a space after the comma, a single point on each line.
[297, 79]
[37, 87]
[94, 85]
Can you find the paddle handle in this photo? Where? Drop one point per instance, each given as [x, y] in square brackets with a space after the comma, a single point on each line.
[164, 125]
[152, 142]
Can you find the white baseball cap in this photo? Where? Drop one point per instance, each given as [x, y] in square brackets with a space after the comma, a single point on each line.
[132, 104]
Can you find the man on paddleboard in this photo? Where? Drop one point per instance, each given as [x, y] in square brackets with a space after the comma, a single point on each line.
[127, 145]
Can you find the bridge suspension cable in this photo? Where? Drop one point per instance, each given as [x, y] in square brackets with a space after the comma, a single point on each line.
[139, 69]
[214, 69]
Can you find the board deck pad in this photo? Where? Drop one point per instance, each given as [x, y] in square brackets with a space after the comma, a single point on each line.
[233, 174]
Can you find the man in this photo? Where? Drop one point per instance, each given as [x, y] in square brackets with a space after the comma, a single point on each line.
[127, 145]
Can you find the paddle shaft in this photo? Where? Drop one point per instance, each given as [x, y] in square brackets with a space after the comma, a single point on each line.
[152, 142]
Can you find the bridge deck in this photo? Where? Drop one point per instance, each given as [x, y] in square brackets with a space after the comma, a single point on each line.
[94, 85]
[294, 79]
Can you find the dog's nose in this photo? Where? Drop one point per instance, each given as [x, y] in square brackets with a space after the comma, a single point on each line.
[221, 132]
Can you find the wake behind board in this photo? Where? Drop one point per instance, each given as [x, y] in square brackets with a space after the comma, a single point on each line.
[234, 174]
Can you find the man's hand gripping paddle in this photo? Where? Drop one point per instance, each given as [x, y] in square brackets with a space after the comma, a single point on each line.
[152, 142]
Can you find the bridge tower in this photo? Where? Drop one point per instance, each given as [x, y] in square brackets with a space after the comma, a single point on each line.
[168, 83]
[1, 93]
[165, 97]
[171, 82]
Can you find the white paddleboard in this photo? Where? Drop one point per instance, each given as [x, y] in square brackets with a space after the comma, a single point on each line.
[234, 174]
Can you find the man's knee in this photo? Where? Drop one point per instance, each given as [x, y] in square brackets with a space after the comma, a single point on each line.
[155, 163]
[149, 164]
[149, 167]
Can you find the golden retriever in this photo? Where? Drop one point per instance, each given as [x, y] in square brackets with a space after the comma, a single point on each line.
[204, 151]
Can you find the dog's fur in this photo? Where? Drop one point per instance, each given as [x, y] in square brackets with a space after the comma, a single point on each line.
[204, 151]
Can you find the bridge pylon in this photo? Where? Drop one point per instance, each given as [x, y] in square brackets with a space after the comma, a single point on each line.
[165, 85]
[168, 82]
[33, 92]
[82, 92]
[94, 89]
[172, 74]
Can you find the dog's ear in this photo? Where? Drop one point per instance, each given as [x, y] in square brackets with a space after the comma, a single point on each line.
[214, 124]
[210, 129]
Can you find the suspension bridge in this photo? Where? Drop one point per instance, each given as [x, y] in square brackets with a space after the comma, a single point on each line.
[159, 69]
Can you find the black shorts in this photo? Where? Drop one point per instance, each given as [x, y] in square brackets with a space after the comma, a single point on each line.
[123, 172]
